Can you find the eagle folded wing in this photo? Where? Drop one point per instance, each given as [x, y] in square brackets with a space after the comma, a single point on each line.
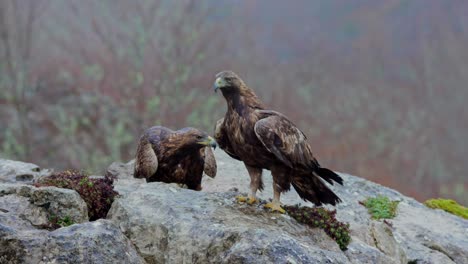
[282, 138]
[146, 162]
[210, 167]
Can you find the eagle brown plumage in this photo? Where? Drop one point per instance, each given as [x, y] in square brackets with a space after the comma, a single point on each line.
[175, 156]
[266, 139]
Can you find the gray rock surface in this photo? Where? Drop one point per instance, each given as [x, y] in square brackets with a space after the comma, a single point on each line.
[164, 223]
[186, 221]
[38, 205]
[121, 170]
[169, 224]
[20, 172]
[25, 210]
[91, 242]
[424, 235]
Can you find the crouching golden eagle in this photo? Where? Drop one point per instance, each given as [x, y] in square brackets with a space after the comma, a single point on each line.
[175, 156]
[265, 139]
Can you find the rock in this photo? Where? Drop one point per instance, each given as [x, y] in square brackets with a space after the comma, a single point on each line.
[20, 172]
[409, 237]
[25, 210]
[39, 205]
[419, 233]
[418, 230]
[359, 252]
[92, 242]
[121, 170]
[385, 242]
[127, 186]
[163, 223]
[168, 224]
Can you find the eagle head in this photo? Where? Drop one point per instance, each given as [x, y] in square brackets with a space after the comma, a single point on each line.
[197, 139]
[228, 81]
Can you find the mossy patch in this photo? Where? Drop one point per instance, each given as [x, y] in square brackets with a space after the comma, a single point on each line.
[449, 206]
[381, 207]
[97, 193]
[324, 219]
[56, 222]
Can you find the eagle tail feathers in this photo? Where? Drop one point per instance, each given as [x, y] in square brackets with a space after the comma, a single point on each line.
[329, 175]
[311, 188]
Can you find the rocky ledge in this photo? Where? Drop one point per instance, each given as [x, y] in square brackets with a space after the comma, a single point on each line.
[163, 223]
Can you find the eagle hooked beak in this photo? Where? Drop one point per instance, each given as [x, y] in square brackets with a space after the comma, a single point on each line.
[218, 84]
[209, 141]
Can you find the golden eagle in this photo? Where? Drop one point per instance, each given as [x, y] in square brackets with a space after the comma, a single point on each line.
[266, 139]
[175, 156]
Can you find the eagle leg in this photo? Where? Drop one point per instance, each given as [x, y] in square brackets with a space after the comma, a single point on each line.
[255, 184]
[275, 205]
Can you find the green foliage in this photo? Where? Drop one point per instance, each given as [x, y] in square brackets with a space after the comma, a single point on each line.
[56, 222]
[66, 221]
[324, 219]
[97, 193]
[381, 207]
[449, 206]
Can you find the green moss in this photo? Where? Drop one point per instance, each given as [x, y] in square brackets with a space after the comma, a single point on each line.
[56, 222]
[324, 219]
[381, 207]
[449, 206]
[66, 221]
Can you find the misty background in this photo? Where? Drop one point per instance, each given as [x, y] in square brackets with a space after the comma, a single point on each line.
[379, 87]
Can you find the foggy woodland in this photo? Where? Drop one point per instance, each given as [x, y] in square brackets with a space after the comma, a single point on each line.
[379, 87]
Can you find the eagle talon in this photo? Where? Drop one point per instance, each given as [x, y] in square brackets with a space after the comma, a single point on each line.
[249, 200]
[241, 199]
[275, 207]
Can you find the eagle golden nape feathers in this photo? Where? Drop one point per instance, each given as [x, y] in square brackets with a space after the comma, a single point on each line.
[175, 156]
[278, 145]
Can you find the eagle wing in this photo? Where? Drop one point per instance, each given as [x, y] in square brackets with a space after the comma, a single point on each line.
[210, 167]
[146, 161]
[282, 138]
[223, 140]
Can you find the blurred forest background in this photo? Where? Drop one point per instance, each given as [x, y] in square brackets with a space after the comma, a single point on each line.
[379, 87]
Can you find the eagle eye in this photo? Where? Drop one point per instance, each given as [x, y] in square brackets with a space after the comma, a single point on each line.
[199, 137]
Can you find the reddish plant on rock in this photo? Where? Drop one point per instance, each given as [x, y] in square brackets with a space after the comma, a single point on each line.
[98, 193]
[324, 219]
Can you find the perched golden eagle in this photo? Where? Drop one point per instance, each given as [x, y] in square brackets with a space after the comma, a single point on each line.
[175, 156]
[265, 139]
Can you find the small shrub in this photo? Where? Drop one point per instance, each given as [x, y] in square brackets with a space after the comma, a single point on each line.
[449, 206]
[324, 219]
[97, 193]
[381, 207]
